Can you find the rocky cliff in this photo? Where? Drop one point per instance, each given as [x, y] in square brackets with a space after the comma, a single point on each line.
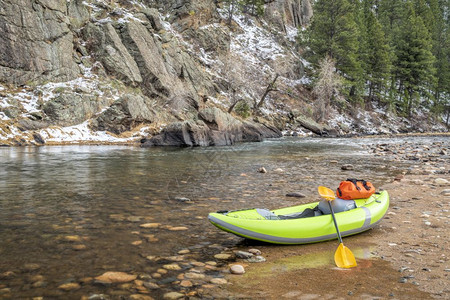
[161, 73]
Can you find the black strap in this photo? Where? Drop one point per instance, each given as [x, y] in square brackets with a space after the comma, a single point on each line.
[354, 181]
[339, 192]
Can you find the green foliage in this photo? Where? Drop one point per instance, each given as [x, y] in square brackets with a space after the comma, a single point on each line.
[251, 7]
[243, 109]
[334, 33]
[396, 52]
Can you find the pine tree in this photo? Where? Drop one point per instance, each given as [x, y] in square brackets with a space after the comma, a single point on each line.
[334, 33]
[414, 61]
[377, 59]
[441, 50]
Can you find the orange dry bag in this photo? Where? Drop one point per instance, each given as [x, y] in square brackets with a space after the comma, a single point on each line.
[355, 189]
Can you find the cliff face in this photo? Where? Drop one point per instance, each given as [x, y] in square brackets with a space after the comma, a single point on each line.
[122, 70]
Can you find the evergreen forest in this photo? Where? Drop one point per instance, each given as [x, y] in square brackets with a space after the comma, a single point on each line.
[391, 54]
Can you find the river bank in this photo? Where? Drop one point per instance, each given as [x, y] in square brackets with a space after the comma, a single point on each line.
[405, 257]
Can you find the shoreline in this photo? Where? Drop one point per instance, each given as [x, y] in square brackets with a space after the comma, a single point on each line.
[137, 143]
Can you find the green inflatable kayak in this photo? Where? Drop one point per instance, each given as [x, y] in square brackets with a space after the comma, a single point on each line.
[290, 226]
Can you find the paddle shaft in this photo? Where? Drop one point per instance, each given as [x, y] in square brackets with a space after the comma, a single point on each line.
[335, 223]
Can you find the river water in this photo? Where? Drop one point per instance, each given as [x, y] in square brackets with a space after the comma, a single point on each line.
[70, 213]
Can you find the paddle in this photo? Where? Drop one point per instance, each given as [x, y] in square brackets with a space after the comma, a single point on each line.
[343, 257]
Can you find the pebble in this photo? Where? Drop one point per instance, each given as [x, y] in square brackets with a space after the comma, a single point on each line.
[173, 296]
[296, 195]
[192, 275]
[151, 285]
[79, 247]
[428, 223]
[140, 297]
[223, 256]
[115, 277]
[178, 228]
[254, 251]
[184, 251]
[243, 254]
[219, 281]
[150, 225]
[237, 269]
[441, 181]
[446, 192]
[73, 238]
[186, 283]
[279, 170]
[172, 267]
[183, 199]
[347, 167]
[262, 170]
[69, 286]
[256, 259]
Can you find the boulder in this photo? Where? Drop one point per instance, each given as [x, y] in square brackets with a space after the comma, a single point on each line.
[71, 108]
[319, 129]
[125, 114]
[215, 128]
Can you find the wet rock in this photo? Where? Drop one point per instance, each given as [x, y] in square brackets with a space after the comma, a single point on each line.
[184, 251]
[183, 199]
[79, 247]
[254, 251]
[296, 195]
[173, 296]
[256, 259]
[7, 275]
[347, 167]
[150, 225]
[115, 277]
[262, 170]
[140, 297]
[243, 254]
[69, 286]
[223, 256]
[219, 281]
[192, 275]
[31, 267]
[172, 267]
[178, 228]
[151, 285]
[237, 269]
[98, 297]
[186, 283]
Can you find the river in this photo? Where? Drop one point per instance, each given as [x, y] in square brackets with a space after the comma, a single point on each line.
[70, 213]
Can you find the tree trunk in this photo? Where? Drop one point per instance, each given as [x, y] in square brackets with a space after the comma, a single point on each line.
[271, 87]
[230, 109]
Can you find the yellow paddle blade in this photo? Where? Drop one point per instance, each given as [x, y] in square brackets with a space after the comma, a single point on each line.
[326, 193]
[344, 258]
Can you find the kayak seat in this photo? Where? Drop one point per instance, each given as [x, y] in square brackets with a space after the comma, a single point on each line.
[307, 213]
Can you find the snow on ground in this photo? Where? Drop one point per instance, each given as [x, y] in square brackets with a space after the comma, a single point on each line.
[79, 133]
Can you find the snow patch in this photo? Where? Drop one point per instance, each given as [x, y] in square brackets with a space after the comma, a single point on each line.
[78, 133]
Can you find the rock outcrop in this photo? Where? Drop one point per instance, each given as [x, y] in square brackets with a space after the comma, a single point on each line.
[125, 114]
[37, 41]
[212, 128]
